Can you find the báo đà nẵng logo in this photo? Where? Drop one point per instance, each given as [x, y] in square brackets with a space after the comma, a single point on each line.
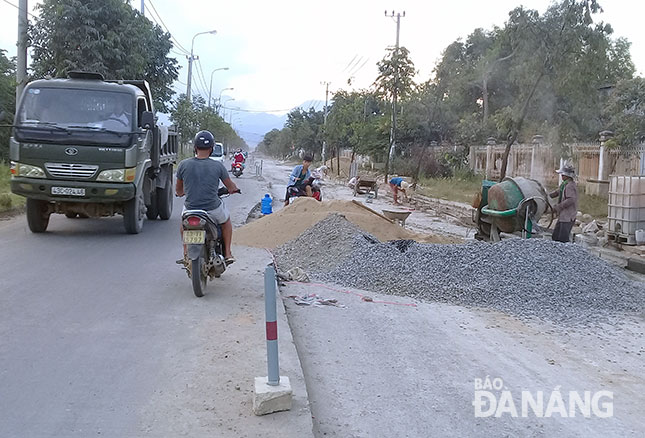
[493, 399]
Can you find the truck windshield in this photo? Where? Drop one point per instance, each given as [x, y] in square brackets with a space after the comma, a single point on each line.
[80, 113]
[217, 150]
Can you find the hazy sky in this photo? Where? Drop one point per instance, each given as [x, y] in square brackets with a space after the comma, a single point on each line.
[280, 51]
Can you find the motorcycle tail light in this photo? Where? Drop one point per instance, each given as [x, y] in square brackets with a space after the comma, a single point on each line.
[194, 221]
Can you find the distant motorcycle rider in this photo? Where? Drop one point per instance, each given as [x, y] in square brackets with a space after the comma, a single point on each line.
[198, 178]
[239, 158]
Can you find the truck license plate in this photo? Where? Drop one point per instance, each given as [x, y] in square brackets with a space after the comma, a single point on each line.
[192, 237]
[68, 191]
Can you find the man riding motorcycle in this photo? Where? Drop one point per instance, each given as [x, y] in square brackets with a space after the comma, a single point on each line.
[198, 178]
[238, 158]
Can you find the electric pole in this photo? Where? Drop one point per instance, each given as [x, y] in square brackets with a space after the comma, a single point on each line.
[395, 59]
[21, 55]
[143, 8]
[324, 147]
[191, 58]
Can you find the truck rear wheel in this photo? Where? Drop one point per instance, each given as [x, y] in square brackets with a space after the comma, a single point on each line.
[164, 197]
[134, 213]
[37, 215]
[153, 209]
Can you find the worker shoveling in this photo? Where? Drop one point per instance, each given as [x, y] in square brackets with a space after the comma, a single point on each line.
[275, 229]
[527, 278]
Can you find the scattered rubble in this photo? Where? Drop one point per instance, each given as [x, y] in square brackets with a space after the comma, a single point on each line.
[526, 278]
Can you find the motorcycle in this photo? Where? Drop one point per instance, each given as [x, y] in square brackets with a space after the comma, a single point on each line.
[205, 247]
[237, 169]
[316, 190]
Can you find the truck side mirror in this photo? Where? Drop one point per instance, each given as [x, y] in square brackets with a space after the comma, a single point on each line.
[147, 120]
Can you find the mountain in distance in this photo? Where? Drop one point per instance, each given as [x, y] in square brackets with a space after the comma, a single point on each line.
[253, 126]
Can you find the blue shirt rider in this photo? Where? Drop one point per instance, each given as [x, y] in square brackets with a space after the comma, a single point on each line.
[298, 179]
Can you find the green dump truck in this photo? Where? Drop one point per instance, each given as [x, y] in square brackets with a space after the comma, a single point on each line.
[88, 147]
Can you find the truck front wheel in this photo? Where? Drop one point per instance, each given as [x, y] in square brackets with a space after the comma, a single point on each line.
[37, 215]
[134, 212]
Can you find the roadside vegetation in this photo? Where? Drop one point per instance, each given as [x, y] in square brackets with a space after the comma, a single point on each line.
[8, 201]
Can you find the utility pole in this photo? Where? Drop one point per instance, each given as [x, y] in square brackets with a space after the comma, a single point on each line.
[192, 58]
[395, 58]
[21, 55]
[143, 8]
[324, 147]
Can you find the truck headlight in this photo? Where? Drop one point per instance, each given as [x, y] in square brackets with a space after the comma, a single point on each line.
[117, 175]
[20, 169]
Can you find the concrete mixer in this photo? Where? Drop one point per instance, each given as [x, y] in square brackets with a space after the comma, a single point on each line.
[511, 206]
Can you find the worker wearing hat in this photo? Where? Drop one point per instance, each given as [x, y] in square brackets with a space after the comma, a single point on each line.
[567, 205]
[398, 184]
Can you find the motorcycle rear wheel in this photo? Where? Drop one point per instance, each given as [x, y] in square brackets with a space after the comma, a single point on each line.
[198, 277]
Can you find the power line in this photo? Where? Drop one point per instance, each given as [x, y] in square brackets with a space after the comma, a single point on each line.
[350, 62]
[18, 7]
[200, 74]
[166, 27]
[359, 68]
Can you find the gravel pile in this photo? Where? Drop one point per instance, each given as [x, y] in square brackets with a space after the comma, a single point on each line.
[526, 278]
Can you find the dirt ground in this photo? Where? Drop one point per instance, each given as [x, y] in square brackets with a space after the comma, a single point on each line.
[387, 366]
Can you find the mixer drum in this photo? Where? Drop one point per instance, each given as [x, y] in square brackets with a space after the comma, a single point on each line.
[508, 195]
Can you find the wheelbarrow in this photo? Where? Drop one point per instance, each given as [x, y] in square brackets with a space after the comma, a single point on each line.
[365, 185]
[398, 216]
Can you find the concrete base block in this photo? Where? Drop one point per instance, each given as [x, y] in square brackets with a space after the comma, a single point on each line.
[597, 188]
[268, 399]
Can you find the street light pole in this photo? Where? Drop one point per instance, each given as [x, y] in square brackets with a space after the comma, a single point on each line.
[210, 87]
[191, 59]
[219, 99]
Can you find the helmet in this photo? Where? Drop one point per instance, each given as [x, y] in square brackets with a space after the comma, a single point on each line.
[405, 186]
[204, 140]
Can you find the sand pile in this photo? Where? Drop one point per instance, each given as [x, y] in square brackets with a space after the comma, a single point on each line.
[278, 228]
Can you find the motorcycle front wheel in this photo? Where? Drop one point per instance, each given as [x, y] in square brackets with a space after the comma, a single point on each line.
[198, 276]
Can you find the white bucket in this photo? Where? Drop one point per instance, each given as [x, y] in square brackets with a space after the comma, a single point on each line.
[640, 237]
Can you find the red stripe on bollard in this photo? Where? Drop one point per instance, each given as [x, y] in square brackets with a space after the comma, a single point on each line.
[272, 331]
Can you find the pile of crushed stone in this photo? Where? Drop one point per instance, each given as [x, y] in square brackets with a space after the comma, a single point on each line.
[527, 278]
[288, 223]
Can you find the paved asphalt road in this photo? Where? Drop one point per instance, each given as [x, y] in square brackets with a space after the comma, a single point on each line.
[101, 335]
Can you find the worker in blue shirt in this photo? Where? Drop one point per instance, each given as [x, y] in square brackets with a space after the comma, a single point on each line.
[297, 185]
[398, 184]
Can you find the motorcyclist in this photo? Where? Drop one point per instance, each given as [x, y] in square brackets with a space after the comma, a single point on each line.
[239, 158]
[198, 178]
[299, 180]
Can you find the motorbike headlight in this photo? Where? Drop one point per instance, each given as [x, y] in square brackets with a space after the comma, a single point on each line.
[117, 175]
[20, 169]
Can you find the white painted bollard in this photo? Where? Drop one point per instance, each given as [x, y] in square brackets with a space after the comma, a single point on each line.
[272, 393]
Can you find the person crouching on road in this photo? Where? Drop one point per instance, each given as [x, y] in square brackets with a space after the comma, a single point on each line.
[398, 184]
[198, 178]
[297, 180]
[567, 205]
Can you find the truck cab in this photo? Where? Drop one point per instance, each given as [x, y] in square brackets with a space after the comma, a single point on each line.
[87, 147]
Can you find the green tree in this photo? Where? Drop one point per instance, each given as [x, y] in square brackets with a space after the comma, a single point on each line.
[195, 116]
[561, 60]
[104, 36]
[625, 111]
[306, 129]
[7, 101]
